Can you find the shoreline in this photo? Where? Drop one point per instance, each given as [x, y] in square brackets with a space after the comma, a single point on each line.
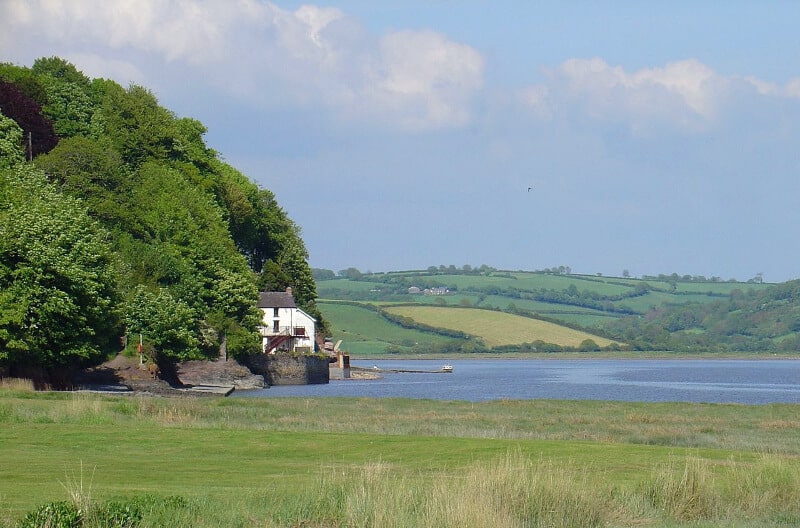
[585, 356]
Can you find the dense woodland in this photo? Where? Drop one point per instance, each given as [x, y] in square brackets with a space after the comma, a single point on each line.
[117, 220]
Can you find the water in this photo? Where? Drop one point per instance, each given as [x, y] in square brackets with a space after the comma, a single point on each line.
[710, 381]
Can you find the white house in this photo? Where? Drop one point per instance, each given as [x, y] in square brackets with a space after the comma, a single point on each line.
[284, 326]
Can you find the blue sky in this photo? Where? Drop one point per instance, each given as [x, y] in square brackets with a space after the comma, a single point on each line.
[656, 137]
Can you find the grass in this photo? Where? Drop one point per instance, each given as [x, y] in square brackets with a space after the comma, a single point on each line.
[383, 463]
[353, 325]
[364, 332]
[496, 328]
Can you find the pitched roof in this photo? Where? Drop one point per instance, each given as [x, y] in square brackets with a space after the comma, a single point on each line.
[276, 300]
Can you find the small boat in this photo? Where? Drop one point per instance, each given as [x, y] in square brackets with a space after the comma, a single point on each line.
[447, 368]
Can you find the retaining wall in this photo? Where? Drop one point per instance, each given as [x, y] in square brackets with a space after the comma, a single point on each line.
[287, 369]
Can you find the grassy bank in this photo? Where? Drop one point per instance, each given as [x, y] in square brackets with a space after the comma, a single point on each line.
[360, 462]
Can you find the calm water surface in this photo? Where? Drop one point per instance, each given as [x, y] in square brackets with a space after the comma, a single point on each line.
[712, 381]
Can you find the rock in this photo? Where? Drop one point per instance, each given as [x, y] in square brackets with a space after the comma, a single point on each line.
[219, 373]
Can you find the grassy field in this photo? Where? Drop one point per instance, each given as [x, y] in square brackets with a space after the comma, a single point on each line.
[365, 331]
[391, 463]
[585, 300]
[496, 328]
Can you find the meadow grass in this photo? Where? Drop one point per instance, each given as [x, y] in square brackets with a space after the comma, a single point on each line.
[496, 328]
[354, 324]
[383, 463]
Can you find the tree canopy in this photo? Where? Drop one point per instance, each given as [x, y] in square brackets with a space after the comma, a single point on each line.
[58, 298]
[156, 234]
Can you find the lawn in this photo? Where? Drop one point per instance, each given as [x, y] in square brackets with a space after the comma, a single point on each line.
[362, 462]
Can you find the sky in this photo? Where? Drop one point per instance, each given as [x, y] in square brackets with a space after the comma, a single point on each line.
[647, 137]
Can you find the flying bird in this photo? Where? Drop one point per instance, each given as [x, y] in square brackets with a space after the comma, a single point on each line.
[529, 189]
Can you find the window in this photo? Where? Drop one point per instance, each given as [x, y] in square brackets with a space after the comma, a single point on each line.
[275, 312]
[275, 327]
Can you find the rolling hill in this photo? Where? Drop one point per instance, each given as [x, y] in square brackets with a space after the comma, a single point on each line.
[599, 307]
[496, 328]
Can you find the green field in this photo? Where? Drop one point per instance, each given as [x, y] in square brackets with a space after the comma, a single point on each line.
[578, 301]
[364, 331]
[496, 328]
[293, 462]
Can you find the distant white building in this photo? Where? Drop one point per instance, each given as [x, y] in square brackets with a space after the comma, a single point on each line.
[284, 326]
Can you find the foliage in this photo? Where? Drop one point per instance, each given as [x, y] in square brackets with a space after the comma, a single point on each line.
[54, 515]
[135, 124]
[25, 80]
[765, 320]
[28, 115]
[69, 105]
[118, 513]
[322, 274]
[59, 302]
[677, 313]
[93, 171]
[11, 151]
[189, 235]
[169, 324]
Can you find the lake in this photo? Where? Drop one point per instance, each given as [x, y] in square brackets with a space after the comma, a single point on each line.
[687, 380]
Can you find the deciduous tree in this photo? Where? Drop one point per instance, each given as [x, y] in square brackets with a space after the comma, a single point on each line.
[58, 297]
[11, 151]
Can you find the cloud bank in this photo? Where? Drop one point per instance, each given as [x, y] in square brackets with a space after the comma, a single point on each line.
[416, 80]
[685, 94]
[319, 57]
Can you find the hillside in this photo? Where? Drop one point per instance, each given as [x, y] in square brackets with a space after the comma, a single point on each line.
[496, 329]
[118, 223]
[667, 312]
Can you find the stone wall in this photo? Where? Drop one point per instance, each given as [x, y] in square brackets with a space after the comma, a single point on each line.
[288, 369]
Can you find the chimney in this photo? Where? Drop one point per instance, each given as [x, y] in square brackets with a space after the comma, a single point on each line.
[289, 290]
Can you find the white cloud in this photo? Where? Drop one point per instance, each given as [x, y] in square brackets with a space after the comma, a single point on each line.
[686, 93]
[313, 55]
[424, 80]
[97, 66]
[177, 30]
[791, 89]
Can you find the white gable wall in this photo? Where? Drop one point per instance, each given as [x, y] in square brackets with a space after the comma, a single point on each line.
[286, 321]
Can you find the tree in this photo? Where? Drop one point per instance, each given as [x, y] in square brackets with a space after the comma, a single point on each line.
[59, 69]
[321, 274]
[350, 273]
[185, 249]
[588, 345]
[190, 232]
[24, 79]
[92, 171]
[28, 115]
[11, 151]
[68, 103]
[69, 108]
[167, 324]
[58, 300]
[135, 124]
